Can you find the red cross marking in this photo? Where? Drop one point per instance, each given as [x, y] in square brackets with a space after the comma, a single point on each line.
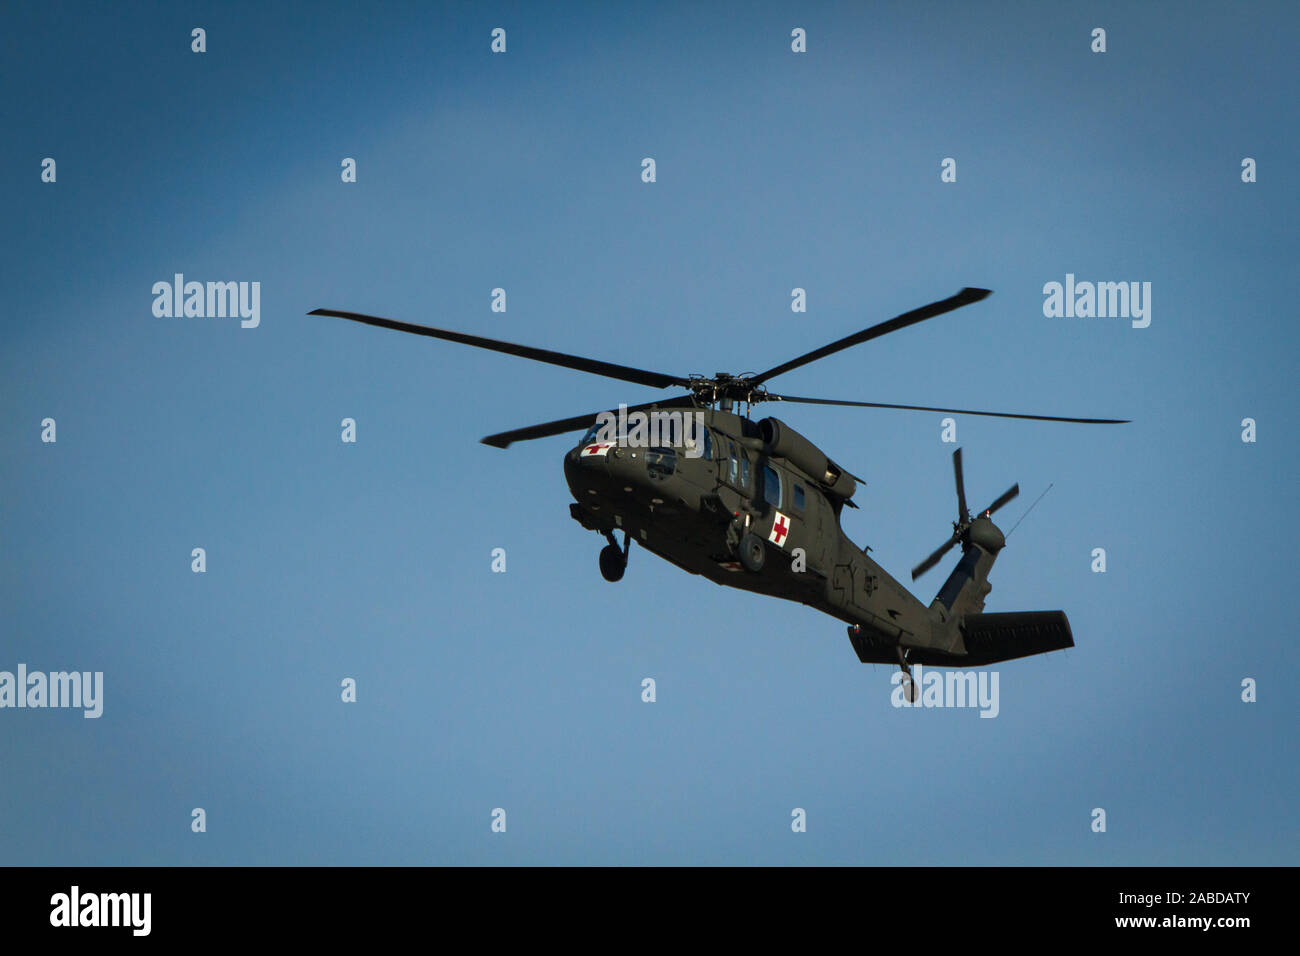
[780, 528]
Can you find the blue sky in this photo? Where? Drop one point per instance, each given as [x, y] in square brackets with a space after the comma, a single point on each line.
[522, 171]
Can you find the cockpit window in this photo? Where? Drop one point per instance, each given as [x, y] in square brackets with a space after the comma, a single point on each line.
[705, 442]
[661, 462]
[592, 432]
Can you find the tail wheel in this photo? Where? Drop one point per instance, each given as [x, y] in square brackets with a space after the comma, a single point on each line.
[752, 552]
[909, 688]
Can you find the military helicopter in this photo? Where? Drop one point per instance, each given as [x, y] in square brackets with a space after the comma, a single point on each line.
[755, 505]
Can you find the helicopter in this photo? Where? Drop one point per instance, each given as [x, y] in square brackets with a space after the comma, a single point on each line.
[755, 505]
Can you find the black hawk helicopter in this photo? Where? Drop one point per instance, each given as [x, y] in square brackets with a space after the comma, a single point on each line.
[755, 505]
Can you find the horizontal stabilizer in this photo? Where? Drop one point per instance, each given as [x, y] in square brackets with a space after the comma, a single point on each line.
[991, 638]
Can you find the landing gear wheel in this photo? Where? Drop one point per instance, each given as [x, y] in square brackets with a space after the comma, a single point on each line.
[612, 562]
[752, 551]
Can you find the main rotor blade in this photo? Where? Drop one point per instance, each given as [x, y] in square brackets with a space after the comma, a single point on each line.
[961, 486]
[934, 558]
[964, 297]
[559, 427]
[955, 411]
[1006, 496]
[608, 369]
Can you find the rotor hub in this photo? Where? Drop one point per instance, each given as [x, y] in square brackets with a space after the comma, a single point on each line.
[724, 386]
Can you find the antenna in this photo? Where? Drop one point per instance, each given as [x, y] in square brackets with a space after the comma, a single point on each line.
[1031, 508]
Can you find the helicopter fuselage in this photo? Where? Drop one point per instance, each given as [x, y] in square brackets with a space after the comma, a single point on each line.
[694, 512]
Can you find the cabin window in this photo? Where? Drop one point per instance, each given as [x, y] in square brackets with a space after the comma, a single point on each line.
[735, 465]
[798, 497]
[744, 471]
[771, 486]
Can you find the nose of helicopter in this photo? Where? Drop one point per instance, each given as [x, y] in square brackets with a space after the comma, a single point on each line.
[605, 468]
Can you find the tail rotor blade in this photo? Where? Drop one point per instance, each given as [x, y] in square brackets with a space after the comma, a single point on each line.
[1006, 496]
[934, 558]
[961, 527]
[961, 486]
